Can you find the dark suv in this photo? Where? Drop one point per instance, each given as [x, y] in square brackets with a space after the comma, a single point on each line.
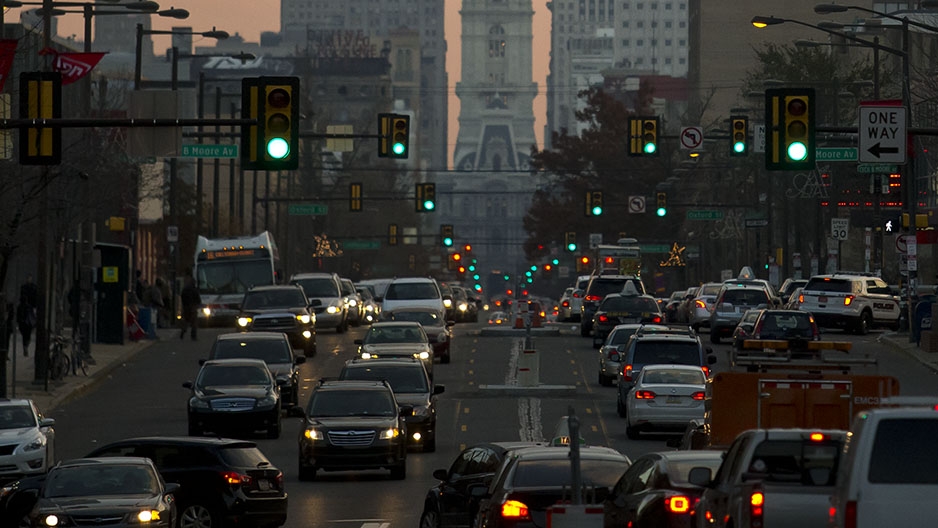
[280, 309]
[679, 346]
[222, 481]
[353, 425]
[598, 288]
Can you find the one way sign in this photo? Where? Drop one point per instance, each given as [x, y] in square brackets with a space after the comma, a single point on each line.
[882, 134]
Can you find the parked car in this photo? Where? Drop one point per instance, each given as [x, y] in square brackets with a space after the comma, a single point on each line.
[281, 308]
[273, 348]
[222, 481]
[27, 440]
[234, 395]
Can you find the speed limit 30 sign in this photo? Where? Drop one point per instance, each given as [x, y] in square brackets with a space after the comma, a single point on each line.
[839, 228]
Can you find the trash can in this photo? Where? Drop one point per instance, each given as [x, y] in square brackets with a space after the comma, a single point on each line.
[145, 319]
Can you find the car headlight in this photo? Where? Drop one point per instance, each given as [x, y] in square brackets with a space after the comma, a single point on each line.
[369, 308]
[352, 302]
[303, 318]
[267, 401]
[148, 515]
[463, 307]
[421, 410]
[312, 433]
[388, 434]
[332, 310]
[197, 403]
[36, 444]
[51, 520]
[244, 321]
[366, 355]
[447, 303]
[424, 355]
[207, 311]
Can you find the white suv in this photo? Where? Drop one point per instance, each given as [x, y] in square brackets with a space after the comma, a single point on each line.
[27, 440]
[854, 301]
[413, 291]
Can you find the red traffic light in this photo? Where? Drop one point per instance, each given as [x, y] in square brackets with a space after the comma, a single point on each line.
[797, 107]
[585, 260]
[457, 257]
[509, 291]
[462, 269]
[468, 248]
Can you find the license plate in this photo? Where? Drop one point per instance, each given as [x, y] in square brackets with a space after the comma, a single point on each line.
[628, 320]
[263, 484]
[674, 399]
[822, 299]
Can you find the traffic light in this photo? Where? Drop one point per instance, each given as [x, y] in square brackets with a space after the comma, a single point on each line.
[739, 135]
[394, 132]
[570, 241]
[273, 143]
[40, 98]
[355, 197]
[446, 235]
[392, 234]
[661, 199]
[583, 263]
[789, 117]
[643, 136]
[594, 203]
[425, 197]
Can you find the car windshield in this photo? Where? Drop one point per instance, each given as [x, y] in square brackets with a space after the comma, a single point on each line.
[556, 473]
[679, 470]
[829, 285]
[351, 403]
[629, 304]
[915, 462]
[795, 324]
[650, 352]
[401, 291]
[16, 417]
[232, 376]
[602, 288]
[709, 289]
[269, 299]
[424, 318]
[621, 336]
[394, 334]
[673, 377]
[234, 276]
[403, 378]
[321, 287]
[100, 479]
[268, 350]
[745, 297]
[802, 461]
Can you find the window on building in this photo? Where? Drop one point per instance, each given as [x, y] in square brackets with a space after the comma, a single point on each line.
[667, 60]
[639, 60]
[654, 5]
[667, 42]
[654, 42]
[640, 42]
[640, 24]
[640, 5]
[625, 23]
[682, 61]
[654, 23]
[682, 24]
[668, 24]
[625, 43]
[667, 6]
[625, 5]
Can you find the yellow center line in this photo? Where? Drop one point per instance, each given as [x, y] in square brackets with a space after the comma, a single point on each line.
[589, 411]
[471, 372]
[465, 410]
[573, 362]
[594, 428]
[462, 447]
[471, 361]
[463, 427]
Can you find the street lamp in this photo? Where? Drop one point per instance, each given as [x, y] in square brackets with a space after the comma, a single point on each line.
[214, 33]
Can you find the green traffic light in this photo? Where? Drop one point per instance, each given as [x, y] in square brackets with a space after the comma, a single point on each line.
[533, 268]
[555, 262]
[662, 211]
[506, 277]
[429, 205]
[530, 280]
[797, 151]
[472, 268]
[278, 148]
[398, 148]
[739, 147]
[597, 210]
[650, 148]
[475, 277]
[447, 241]
[571, 247]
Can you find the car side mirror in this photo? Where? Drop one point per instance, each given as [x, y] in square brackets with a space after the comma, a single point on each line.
[441, 474]
[187, 384]
[699, 476]
[358, 341]
[47, 422]
[171, 487]
[299, 359]
[439, 389]
[450, 323]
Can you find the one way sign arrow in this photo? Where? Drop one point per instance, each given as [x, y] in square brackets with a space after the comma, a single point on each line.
[876, 150]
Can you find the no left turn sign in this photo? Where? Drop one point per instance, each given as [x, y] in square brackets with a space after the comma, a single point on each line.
[691, 137]
[636, 204]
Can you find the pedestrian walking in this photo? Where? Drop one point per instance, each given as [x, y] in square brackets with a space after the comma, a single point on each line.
[26, 320]
[191, 301]
[165, 316]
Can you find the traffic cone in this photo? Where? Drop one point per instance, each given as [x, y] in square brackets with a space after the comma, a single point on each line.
[519, 320]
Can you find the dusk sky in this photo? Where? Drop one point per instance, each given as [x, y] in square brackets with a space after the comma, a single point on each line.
[250, 18]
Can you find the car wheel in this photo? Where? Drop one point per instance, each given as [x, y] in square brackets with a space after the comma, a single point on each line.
[632, 432]
[864, 324]
[430, 519]
[621, 409]
[430, 445]
[307, 472]
[197, 516]
[399, 472]
[273, 432]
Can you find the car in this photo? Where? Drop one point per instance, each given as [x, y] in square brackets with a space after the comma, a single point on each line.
[498, 318]
[532, 479]
[732, 302]
[371, 306]
[854, 301]
[599, 286]
[234, 395]
[696, 436]
[353, 302]
[413, 291]
[795, 326]
[280, 308]
[671, 304]
[687, 298]
[222, 481]
[448, 503]
[747, 278]
[439, 331]
[449, 304]
[654, 491]
[17, 499]
[744, 328]
[676, 346]
[623, 308]
[794, 300]
[27, 439]
[412, 389]
[565, 306]
[613, 349]
[697, 308]
[466, 311]
[579, 291]
[324, 294]
[353, 425]
[377, 286]
[273, 348]
[789, 286]
[397, 339]
[665, 397]
[87, 491]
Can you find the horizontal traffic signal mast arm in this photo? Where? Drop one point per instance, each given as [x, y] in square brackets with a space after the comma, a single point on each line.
[142, 122]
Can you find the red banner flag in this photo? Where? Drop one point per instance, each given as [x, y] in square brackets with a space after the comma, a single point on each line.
[73, 66]
[7, 54]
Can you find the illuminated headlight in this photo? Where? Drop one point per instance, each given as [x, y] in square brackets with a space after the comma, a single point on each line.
[366, 355]
[197, 403]
[51, 520]
[148, 515]
[447, 303]
[313, 434]
[424, 355]
[352, 302]
[244, 321]
[207, 311]
[38, 443]
[421, 410]
[369, 308]
[417, 437]
[388, 434]
[485, 307]
[303, 318]
[332, 310]
[463, 307]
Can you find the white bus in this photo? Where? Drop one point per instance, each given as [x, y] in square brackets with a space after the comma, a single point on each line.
[623, 258]
[225, 268]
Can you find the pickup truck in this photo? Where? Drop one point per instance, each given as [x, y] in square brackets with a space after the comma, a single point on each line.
[771, 478]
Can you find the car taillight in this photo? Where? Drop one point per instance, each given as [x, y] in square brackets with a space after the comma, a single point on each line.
[677, 504]
[706, 370]
[816, 437]
[800, 298]
[645, 395]
[566, 304]
[592, 298]
[627, 372]
[233, 478]
[576, 295]
[700, 304]
[513, 509]
[756, 504]
[699, 396]
[603, 318]
[848, 300]
[656, 319]
[279, 480]
[850, 515]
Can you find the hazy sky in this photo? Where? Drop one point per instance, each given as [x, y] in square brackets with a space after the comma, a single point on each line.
[250, 18]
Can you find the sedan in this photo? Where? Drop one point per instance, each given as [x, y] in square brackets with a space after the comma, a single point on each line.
[613, 349]
[273, 348]
[498, 318]
[234, 394]
[744, 328]
[397, 339]
[627, 307]
[655, 490]
[438, 330]
[665, 397]
[27, 440]
[125, 491]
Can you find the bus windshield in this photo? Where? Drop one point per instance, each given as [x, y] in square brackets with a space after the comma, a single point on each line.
[233, 276]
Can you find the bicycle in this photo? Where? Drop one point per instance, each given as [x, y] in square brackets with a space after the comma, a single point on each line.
[79, 360]
[59, 363]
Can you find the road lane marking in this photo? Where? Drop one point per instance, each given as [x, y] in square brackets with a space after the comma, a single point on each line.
[463, 427]
[471, 372]
[594, 428]
[472, 360]
[573, 362]
[462, 447]
[511, 377]
[465, 410]
[589, 411]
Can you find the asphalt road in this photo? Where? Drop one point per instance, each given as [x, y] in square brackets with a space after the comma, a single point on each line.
[145, 397]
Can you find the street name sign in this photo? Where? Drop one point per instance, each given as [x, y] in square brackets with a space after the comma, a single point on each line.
[883, 134]
[308, 209]
[756, 222]
[209, 151]
[705, 214]
[877, 168]
[835, 154]
[840, 227]
[361, 244]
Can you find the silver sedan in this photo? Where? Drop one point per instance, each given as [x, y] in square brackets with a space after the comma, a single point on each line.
[665, 397]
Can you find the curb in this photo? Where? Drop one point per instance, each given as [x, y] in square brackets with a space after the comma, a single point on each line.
[890, 339]
[99, 375]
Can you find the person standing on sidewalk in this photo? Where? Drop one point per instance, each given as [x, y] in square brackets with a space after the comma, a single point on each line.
[191, 301]
[26, 320]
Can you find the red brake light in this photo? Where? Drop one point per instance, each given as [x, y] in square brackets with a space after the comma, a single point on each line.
[817, 437]
[627, 372]
[515, 510]
[645, 395]
[656, 319]
[576, 295]
[603, 318]
[848, 300]
[592, 298]
[700, 304]
[677, 504]
[756, 503]
[706, 370]
[233, 478]
[699, 396]
[566, 304]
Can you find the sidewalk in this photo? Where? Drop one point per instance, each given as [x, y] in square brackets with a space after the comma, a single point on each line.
[900, 341]
[107, 358]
